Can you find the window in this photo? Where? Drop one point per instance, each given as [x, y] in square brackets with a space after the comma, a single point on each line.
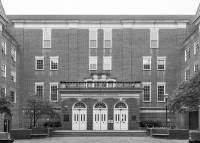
[187, 74]
[92, 63]
[187, 54]
[147, 92]
[13, 75]
[154, 38]
[13, 54]
[146, 63]
[39, 89]
[196, 47]
[3, 90]
[107, 63]
[3, 44]
[196, 67]
[46, 39]
[53, 92]
[3, 69]
[107, 38]
[93, 39]
[161, 63]
[161, 92]
[12, 97]
[39, 63]
[53, 63]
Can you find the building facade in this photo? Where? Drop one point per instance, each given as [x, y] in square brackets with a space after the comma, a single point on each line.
[101, 72]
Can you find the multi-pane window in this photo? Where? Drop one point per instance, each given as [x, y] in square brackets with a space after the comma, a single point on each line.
[187, 74]
[161, 92]
[53, 63]
[146, 63]
[107, 63]
[39, 89]
[13, 54]
[12, 97]
[92, 63]
[196, 47]
[3, 44]
[187, 54]
[3, 90]
[154, 38]
[53, 92]
[3, 69]
[46, 39]
[107, 38]
[196, 67]
[161, 63]
[93, 39]
[13, 75]
[39, 63]
[147, 92]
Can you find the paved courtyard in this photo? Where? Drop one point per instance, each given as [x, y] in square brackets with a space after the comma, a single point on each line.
[100, 140]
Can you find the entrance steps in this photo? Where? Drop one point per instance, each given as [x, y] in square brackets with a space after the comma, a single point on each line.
[129, 133]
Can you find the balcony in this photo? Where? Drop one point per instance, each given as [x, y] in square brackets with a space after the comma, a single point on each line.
[100, 87]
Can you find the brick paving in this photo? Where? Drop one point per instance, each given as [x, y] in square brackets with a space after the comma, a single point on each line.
[100, 140]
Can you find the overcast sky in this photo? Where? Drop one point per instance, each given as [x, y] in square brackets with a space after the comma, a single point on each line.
[141, 7]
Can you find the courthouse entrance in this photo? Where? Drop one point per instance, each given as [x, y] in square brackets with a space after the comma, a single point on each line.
[120, 116]
[100, 115]
[79, 118]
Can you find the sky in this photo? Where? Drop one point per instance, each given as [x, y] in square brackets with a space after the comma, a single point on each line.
[77, 7]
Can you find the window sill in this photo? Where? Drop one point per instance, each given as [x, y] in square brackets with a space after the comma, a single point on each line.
[154, 47]
[146, 101]
[39, 69]
[160, 101]
[146, 69]
[54, 101]
[46, 47]
[53, 69]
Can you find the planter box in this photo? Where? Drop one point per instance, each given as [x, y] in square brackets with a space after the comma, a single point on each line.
[20, 133]
[178, 134]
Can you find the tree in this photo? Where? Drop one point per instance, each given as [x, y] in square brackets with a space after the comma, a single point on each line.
[187, 96]
[5, 103]
[36, 107]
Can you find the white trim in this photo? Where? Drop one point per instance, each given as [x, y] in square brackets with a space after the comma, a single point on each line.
[195, 63]
[186, 69]
[14, 91]
[161, 84]
[110, 31]
[146, 84]
[195, 46]
[14, 71]
[39, 58]
[137, 24]
[161, 58]
[46, 31]
[53, 84]
[93, 58]
[157, 35]
[56, 58]
[110, 60]
[96, 37]
[5, 52]
[148, 58]
[186, 54]
[39, 84]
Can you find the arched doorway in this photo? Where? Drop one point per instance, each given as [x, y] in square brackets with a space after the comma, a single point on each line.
[100, 112]
[79, 118]
[7, 122]
[121, 116]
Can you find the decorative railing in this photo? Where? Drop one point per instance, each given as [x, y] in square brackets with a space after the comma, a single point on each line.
[64, 85]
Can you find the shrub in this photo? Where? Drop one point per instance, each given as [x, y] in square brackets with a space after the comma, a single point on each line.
[150, 123]
[52, 124]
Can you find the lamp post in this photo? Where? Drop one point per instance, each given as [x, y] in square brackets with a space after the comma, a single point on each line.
[166, 97]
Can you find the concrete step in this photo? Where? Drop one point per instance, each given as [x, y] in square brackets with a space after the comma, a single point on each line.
[99, 133]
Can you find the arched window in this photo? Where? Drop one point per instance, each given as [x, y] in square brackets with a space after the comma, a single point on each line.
[120, 105]
[100, 105]
[79, 105]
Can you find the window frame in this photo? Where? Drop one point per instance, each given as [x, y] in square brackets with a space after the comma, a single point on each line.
[13, 56]
[161, 84]
[146, 58]
[156, 39]
[4, 87]
[36, 59]
[187, 55]
[161, 58]
[14, 74]
[195, 47]
[14, 96]
[43, 40]
[196, 64]
[53, 84]
[96, 61]
[40, 84]
[91, 37]
[106, 38]
[187, 69]
[3, 71]
[146, 84]
[54, 58]
[4, 49]
[107, 58]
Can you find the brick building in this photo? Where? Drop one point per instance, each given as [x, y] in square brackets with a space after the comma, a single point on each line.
[103, 72]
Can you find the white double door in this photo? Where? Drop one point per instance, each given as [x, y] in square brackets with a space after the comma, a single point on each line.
[100, 121]
[121, 119]
[79, 119]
